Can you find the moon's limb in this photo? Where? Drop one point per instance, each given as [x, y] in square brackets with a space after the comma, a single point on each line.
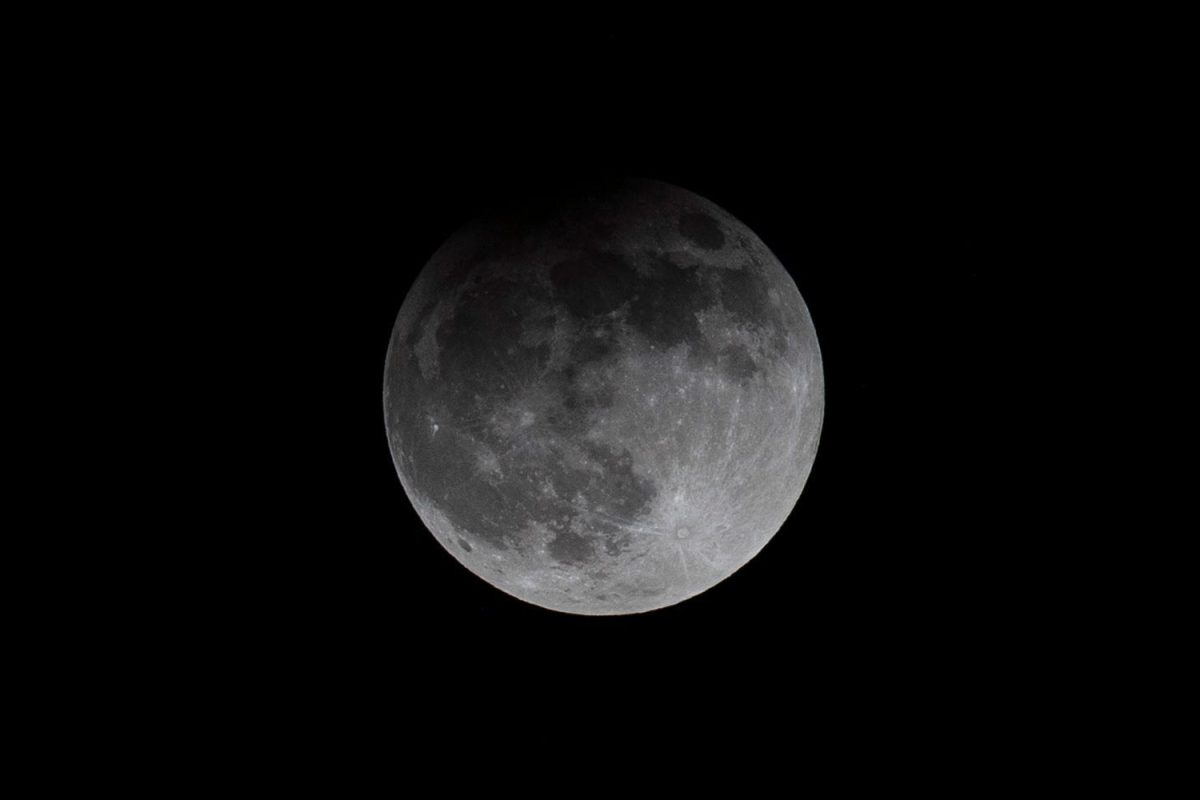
[578, 403]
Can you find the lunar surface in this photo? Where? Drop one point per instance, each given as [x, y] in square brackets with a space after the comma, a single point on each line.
[606, 403]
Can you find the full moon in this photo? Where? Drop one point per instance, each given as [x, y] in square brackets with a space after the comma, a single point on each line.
[606, 402]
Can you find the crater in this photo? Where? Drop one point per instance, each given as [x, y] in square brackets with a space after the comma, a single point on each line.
[616, 543]
[569, 547]
[626, 494]
[746, 295]
[737, 363]
[664, 308]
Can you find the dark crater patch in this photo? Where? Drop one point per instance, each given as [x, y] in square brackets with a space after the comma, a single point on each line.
[702, 230]
[570, 483]
[618, 488]
[579, 402]
[616, 543]
[664, 309]
[476, 342]
[746, 295]
[594, 343]
[581, 384]
[569, 547]
[582, 394]
[737, 363]
[593, 283]
[464, 544]
[629, 589]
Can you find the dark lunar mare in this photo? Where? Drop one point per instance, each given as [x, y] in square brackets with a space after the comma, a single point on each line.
[489, 372]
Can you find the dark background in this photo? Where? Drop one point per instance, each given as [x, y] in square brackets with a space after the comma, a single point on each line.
[883, 177]
[945, 190]
[244, 198]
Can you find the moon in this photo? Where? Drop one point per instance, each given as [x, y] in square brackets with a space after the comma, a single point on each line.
[606, 402]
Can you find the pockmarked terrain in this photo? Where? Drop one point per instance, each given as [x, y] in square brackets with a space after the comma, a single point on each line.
[606, 403]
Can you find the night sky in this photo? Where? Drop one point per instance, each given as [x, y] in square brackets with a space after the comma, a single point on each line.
[882, 184]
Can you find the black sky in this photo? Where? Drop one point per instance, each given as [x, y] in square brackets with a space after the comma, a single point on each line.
[882, 177]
